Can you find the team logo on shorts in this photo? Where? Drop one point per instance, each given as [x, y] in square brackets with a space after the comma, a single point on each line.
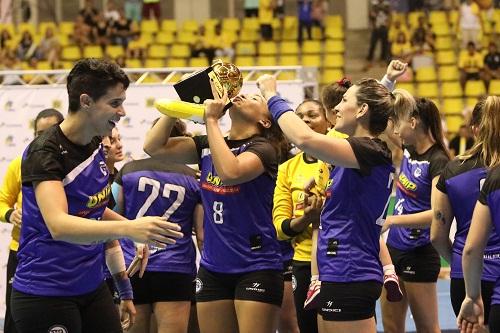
[294, 283]
[58, 329]
[199, 285]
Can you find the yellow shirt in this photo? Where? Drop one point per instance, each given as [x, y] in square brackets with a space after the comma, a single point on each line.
[471, 63]
[11, 196]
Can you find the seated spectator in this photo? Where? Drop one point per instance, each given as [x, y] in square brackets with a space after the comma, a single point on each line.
[89, 12]
[5, 38]
[461, 142]
[26, 46]
[395, 29]
[111, 13]
[10, 62]
[491, 64]
[319, 10]
[49, 48]
[422, 37]
[222, 43]
[401, 48]
[101, 32]
[266, 8]
[201, 47]
[470, 64]
[470, 22]
[81, 32]
[136, 48]
[123, 30]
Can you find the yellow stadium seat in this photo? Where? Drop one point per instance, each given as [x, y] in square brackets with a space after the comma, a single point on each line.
[438, 17]
[290, 22]
[428, 90]
[249, 35]
[180, 51]
[190, 25]
[474, 88]
[176, 62]
[453, 106]
[198, 62]
[446, 58]
[334, 46]
[154, 63]
[149, 26]
[42, 27]
[334, 21]
[333, 61]
[290, 34]
[444, 43]
[426, 74]
[245, 48]
[210, 25]
[334, 32]
[71, 53]
[266, 61]
[313, 60]
[289, 47]
[146, 38]
[267, 48]
[169, 25]
[331, 75]
[287, 75]
[408, 86]
[26, 27]
[413, 18]
[251, 23]
[9, 27]
[185, 37]
[453, 123]
[453, 18]
[134, 63]
[66, 27]
[63, 39]
[67, 64]
[164, 37]
[316, 33]
[451, 89]
[441, 29]
[115, 51]
[231, 23]
[156, 51]
[92, 51]
[448, 73]
[289, 60]
[242, 61]
[311, 47]
[494, 88]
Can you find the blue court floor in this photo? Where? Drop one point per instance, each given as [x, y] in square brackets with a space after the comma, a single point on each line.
[447, 320]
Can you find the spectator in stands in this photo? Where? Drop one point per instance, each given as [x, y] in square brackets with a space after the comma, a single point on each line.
[4, 38]
[201, 46]
[470, 64]
[101, 32]
[151, 6]
[251, 8]
[461, 142]
[491, 64]
[133, 10]
[26, 46]
[136, 49]
[319, 10]
[223, 43]
[89, 13]
[81, 32]
[49, 48]
[122, 30]
[401, 48]
[266, 8]
[305, 19]
[470, 22]
[279, 10]
[10, 62]
[380, 15]
[395, 29]
[111, 13]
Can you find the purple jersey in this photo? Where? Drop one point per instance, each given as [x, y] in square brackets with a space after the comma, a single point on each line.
[239, 231]
[355, 209]
[48, 267]
[413, 194]
[457, 176]
[490, 196]
[155, 188]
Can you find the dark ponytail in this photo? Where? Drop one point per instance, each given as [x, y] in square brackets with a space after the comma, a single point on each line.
[428, 114]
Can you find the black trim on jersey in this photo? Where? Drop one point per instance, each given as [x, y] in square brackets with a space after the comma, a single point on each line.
[370, 153]
[51, 156]
[153, 164]
[287, 228]
[491, 184]
[258, 145]
[435, 155]
[457, 167]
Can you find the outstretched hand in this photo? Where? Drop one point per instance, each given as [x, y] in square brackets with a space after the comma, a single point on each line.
[395, 69]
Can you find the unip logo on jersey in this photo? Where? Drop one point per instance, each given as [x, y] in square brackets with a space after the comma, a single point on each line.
[100, 198]
[405, 184]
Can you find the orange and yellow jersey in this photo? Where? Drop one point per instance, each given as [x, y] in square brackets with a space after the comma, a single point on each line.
[11, 197]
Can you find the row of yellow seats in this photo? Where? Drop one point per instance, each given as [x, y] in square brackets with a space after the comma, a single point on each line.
[290, 47]
[328, 61]
[451, 89]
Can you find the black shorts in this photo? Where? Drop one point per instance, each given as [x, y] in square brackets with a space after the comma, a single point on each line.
[457, 295]
[260, 286]
[472, 76]
[287, 270]
[349, 301]
[307, 319]
[92, 312]
[156, 287]
[421, 264]
[112, 290]
[494, 320]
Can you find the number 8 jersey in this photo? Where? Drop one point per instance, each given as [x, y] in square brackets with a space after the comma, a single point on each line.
[239, 232]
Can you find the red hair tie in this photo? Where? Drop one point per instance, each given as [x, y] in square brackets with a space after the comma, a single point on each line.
[344, 82]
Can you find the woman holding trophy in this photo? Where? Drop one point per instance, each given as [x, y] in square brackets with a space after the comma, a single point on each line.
[240, 276]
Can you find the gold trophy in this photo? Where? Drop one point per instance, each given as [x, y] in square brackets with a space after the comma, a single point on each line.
[196, 88]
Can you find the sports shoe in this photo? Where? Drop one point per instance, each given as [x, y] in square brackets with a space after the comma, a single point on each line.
[312, 299]
[391, 284]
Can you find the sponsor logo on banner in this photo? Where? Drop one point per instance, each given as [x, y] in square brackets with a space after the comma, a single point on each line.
[150, 102]
[56, 104]
[8, 106]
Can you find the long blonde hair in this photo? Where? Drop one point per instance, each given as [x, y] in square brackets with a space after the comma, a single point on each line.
[487, 145]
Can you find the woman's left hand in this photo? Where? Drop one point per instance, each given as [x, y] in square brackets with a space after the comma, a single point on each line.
[214, 108]
[127, 314]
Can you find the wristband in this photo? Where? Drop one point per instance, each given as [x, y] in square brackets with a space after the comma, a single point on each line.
[124, 288]
[277, 107]
[8, 214]
[388, 83]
